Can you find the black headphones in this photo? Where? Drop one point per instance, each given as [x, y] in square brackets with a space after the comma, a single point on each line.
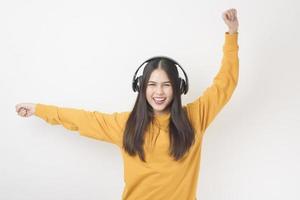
[184, 84]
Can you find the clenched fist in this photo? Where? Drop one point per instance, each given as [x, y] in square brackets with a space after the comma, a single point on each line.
[25, 109]
[230, 19]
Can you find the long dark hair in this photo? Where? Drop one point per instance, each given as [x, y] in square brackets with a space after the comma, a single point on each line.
[181, 132]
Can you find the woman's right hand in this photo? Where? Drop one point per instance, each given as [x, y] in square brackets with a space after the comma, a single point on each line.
[25, 109]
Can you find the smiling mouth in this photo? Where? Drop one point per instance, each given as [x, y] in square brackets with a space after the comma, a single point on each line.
[159, 101]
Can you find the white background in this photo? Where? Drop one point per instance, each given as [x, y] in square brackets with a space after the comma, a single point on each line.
[83, 54]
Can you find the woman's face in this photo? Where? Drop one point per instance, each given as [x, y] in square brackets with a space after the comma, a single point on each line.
[159, 92]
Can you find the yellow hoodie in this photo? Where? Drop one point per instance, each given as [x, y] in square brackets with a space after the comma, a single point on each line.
[161, 178]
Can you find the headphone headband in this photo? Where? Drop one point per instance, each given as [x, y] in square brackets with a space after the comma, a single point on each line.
[184, 84]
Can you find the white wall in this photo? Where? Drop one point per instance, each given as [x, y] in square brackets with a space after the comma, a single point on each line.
[84, 53]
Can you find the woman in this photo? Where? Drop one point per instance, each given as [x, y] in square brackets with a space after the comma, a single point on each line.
[160, 140]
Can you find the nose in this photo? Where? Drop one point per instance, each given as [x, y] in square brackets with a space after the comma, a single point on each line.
[159, 89]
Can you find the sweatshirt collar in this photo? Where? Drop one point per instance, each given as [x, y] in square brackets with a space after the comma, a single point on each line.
[162, 119]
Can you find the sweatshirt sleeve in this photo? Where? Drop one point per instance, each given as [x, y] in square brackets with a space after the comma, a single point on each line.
[97, 125]
[205, 108]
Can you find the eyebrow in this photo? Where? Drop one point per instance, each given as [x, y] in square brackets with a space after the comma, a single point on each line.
[162, 82]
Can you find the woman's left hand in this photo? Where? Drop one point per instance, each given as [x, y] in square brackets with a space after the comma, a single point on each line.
[230, 18]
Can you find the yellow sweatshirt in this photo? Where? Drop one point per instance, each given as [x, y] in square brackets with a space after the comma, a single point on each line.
[160, 178]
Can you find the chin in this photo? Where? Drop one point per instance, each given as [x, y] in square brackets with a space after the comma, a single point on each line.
[160, 109]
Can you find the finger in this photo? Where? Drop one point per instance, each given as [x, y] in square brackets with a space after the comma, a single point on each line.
[234, 11]
[20, 113]
[227, 16]
[23, 111]
[231, 15]
[19, 109]
[26, 113]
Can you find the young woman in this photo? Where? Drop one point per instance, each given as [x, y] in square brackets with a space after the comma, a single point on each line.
[160, 140]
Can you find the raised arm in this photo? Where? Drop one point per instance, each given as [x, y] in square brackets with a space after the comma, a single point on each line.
[93, 124]
[204, 109]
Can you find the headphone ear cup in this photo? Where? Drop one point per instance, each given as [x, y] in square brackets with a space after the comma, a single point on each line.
[182, 86]
[134, 85]
[139, 83]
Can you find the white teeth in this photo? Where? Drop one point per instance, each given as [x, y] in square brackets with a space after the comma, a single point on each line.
[159, 99]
